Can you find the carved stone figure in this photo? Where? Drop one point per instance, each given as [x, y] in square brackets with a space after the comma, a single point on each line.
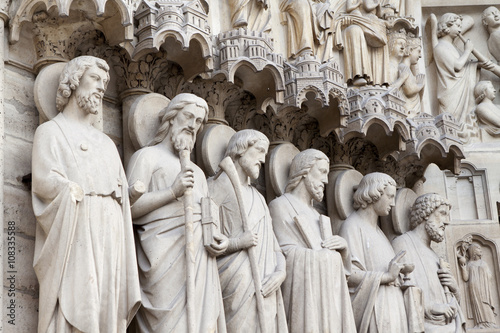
[409, 81]
[251, 14]
[253, 257]
[159, 217]
[397, 47]
[362, 35]
[84, 251]
[376, 298]
[428, 218]
[491, 21]
[315, 290]
[487, 113]
[479, 280]
[309, 23]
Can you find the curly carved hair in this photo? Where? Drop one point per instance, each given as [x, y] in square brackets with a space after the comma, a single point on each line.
[242, 140]
[445, 22]
[371, 188]
[71, 75]
[424, 206]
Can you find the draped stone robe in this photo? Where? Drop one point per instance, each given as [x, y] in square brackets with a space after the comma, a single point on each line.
[161, 253]
[315, 290]
[235, 272]
[425, 276]
[377, 308]
[84, 251]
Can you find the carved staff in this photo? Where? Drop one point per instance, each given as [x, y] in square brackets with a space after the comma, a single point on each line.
[228, 167]
[187, 198]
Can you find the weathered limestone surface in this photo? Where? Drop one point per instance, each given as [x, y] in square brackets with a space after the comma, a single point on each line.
[251, 80]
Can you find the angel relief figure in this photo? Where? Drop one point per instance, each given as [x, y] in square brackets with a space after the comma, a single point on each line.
[476, 273]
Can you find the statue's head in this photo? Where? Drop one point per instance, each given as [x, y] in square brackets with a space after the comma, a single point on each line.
[377, 189]
[183, 118]
[484, 89]
[475, 252]
[446, 21]
[248, 148]
[87, 78]
[310, 166]
[434, 211]
[413, 48]
[491, 17]
[397, 43]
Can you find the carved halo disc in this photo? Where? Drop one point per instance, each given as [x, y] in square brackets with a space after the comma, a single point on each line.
[280, 160]
[214, 140]
[400, 214]
[144, 118]
[45, 90]
[345, 185]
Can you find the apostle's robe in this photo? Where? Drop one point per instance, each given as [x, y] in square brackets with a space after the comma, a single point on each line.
[377, 308]
[426, 278]
[238, 290]
[315, 291]
[161, 244]
[84, 250]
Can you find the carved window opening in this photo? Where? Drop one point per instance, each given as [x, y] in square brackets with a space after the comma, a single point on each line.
[469, 194]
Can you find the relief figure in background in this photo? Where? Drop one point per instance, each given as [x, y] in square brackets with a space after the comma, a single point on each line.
[428, 218]
[397, 47]
[487, 113]
[491, 21]
[253, 15]
[362, 36]
[84, 248]
[476, 273]
[159, 218]
[374, 283]
[253, 267]
[315, 290]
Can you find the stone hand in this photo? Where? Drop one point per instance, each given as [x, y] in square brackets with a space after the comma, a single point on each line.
[272, 282]
[420, 79]
[76, 192]
[448, 280]
[183, 181]
[248, 239]
[447, 310]
[468, 46]
[394, 268]
[218, 246]
[334, 243]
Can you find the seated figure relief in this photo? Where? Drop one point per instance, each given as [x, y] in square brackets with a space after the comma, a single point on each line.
[428, 218]
[487, 113]
[315, 291]
[397, 48]
[250, 14]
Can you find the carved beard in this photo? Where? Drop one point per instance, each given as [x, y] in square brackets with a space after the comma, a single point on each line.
[316, 190]
[89, 102]
[436, 234]
[181, 139]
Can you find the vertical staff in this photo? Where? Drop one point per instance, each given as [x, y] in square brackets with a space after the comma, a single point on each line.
[184, 156]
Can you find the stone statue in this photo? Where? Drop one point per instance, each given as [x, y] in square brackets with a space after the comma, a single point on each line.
[409, 81]
[376, 298]
[309, 27]
[479, 280]
[251, 14]
[159, 217]
[315, 290]
[397, 47]
[253, 267]
[428, 218]
[84, 250]
[491, 21]
[487, 113]
[362, 35]
[456, 75]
